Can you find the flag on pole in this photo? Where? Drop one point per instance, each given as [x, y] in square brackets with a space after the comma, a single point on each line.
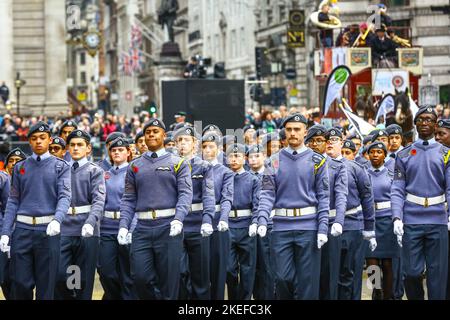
[137, 60]
[387, 104]
[361, 126]
[336, 81]
[413, 106]
[124, 64]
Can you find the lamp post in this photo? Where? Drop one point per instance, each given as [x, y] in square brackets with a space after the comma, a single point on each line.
[19, 83]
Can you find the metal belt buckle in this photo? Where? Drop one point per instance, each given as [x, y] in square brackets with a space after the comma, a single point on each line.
[235, 213]
[426, 203]
[153, 212]
[33, 220]
[115, 215]
[376, 206]
[74, 212]
[295, 212]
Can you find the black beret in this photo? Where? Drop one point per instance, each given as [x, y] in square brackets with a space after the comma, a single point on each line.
[256, 148]
[211, 127]
[259, 132]
[179, 125]
[378, 134]
[444, 123]
[425, 109]
[113, 136]
[334, 132]
[394, 129]
[119, 142]
[248, 127]
[59, 141]
[40, 127]
[273, 136]
[15, 153]
[155, 123]
[353, 136]
[185, 131]
[139, 135]
[371, 133]
[212, 136]
[130, 141]
[296, 117]
[349, 144]
[229, 139]
[68, 123]
[236, 148]
[316, 130]
[180, 114]
[377, 145]
[79, 134]
[367, 139]
[282, 134]
[168, 139]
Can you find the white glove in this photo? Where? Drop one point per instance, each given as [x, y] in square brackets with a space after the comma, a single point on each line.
[367, 235]
[4, 240]
[87, 231]
[206, 230]
[122, 236]
[336, 229]
[398, 227]
[321, 240]
[252, 230]
[129, 237]
[400, 241]
[53, 228]
[372, 244]
[222, 226]
[175, 228]
[262, 230]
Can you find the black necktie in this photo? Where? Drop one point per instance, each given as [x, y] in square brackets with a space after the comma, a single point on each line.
[392, 155]
[75, 165]
[154, 155]
[425, 143]
[377, 170]
[38, 158]
[117, 168]
[295, 153]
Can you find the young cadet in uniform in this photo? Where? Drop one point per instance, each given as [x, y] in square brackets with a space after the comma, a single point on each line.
[264, 288]
[106, 163]
[198, 223]
[66, 128]
[158, 189]
[114, 259]
[14, 156]
[226, 142]
[421, 186]
[359, 221]
[330, 252]
[383, 136]
[283, 140]
[57, 147]
[243, 221]
[362, 157]
[356, 139]
[5, 280]
[80, 229]
[387, 247]
[140, 143]
[348, 150]
[249, 132]
[38, 203]
[220, 239]
[271, 143]
[395, 133]
[298, 190]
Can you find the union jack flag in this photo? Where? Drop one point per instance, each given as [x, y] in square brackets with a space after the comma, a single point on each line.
[137, 60]
[125, 64]
[136, 36]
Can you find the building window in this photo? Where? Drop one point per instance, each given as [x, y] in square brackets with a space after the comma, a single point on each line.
[402, 28]
[82, 58]
[83, 77]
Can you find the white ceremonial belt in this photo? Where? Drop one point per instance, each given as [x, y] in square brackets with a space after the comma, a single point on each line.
[34, 220]
[218, 207]
[197, 207]
[240, 213]
[425, 202]
[272, 213]
[350, 211]
[382, 205]
[79, 210]
[296, 212]
[154, 214]
[112, 214]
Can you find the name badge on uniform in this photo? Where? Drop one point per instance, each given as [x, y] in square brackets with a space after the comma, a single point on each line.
[163, 169]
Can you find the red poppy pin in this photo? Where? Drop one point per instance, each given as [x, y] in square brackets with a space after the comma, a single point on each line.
[135, 169]
[22, 170]
[413, 152]
[276, 164]
[107, 175]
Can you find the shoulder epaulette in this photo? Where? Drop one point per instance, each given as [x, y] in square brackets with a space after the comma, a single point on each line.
[319, 160]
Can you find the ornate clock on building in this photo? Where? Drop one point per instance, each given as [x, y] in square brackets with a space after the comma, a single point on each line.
[91, 41]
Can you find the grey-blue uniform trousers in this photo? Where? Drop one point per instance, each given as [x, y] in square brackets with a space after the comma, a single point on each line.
[5, 280]
[39, 188]
[331, 251]
[88, 188]
[195, 275]
[154, 184]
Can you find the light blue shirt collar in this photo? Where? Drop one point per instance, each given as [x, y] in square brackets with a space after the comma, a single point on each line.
[373, 169]
[240, 171]
[214, 162]
[123, 165]
[431, 141]
[260, 171]
[81, 162]
[299, 150]
[43, 156]
[160, 152]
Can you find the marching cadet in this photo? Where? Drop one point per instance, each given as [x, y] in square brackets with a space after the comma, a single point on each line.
[198, 223]
[363, 158]
[330, 252]
[80, 229]
[211, 128]
[395, 133]
[169, 142]
[271, 143]
[264, 288]
[442, 132]
[226, 142]
[14, 156]
[66, 128]
[220, 239]
[106, 163]
[131, 147]
[35, 241]
[283, 140]
[383, 136]
[57, 147]
[298, 190]
[140, 143]
[249, 134]
[114, 259]
[243, 222]
[5, 279]
[387, 247]
[359, 221]
[348, 150]
[158, 189]
[259, 135]
[356, 139]
[420, 188]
